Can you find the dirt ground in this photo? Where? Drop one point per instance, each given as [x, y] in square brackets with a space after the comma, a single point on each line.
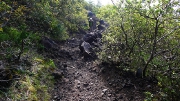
[91, 80]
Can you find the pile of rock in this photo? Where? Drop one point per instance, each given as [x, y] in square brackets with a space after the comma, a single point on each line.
[92, 38]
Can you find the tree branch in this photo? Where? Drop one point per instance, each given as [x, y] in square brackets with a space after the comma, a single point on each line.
[153, 48]
[168, 33]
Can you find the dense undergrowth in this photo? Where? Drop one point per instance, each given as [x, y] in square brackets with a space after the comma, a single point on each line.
[145, 35]
[25, 73]
[142, 34]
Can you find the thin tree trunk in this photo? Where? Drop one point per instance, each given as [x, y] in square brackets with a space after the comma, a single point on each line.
[21, 51]
[153, 48]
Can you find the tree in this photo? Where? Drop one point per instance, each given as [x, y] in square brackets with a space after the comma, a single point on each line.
[149, 32]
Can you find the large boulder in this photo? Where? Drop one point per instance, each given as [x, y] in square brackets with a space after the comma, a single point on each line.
[101, 27]
[98, 34]
[90, 37]
[86, 49]
[90, 14]
[95, 19]
[101, 22]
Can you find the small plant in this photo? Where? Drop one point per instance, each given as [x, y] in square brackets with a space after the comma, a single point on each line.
[36, 83]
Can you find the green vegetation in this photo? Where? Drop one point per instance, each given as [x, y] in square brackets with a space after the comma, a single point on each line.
[34, 84]
[23, 23]
[145, 35]
[142, 34]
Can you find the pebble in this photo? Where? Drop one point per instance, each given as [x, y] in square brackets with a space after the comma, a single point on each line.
[148, 86]
[66, 80]
[77, 82]
[85, 84]
[109, 95]
[104, 90]
[110, 83]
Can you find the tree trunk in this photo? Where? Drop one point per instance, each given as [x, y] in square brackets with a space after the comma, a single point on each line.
[153, 48]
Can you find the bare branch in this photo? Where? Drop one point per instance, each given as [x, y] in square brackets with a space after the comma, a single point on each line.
[5, 80]
[113, 2]
[145, 16]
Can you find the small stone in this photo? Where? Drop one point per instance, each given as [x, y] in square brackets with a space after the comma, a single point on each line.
[121, 97]
[110, 83]
[88, 88]
[66, 80]
[65, 65]
[109, 95]
[1, 65]
[149, 86]
[102, 94]
[77, 82]
[85, 84]
[91, 83]
[104, 90]
[57, 74]
[115, 99]
[94, 69]
[78, 86]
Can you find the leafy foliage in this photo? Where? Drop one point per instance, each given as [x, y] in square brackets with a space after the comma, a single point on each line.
[35, 81]
[143, 35]
[22, 25]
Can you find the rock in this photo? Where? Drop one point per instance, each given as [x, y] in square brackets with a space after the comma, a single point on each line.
[1, 66]
[78, 86]
[48, 43]
[88, 88]
[98, 35]
[85, 84]
[101, 27]
[109, 95]
[101, 21]
[148, 86]
[90, 37]
[86, 49]
[77, 82]
[109, 57]
[139, 73]
[57, 74]
[106, 24]
[66, 80]
[102, 94]
[90, 14]
[110, 83]
[104, 90]
[55, 97]
[64, 65]
[115, 99]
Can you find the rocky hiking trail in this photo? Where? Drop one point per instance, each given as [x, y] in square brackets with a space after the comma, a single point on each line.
[79, 79]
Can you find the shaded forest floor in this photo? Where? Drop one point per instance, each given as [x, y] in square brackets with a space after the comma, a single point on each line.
[90, 80]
